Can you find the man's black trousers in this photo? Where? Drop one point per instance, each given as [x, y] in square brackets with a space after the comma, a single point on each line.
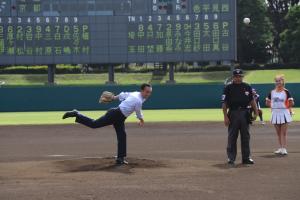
[112, 117]
[239, 123]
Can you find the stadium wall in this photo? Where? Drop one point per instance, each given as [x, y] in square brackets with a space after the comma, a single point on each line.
[55, 98]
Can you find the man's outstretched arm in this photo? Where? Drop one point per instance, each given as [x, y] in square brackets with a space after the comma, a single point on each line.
[122, 96]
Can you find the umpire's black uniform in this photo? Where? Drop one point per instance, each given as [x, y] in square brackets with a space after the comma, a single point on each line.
[237, 97]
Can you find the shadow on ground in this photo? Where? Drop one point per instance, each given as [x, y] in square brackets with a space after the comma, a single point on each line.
[273, 156]
[227, 166]
[106, 164]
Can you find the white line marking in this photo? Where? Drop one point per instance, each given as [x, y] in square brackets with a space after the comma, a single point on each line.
[58, 155]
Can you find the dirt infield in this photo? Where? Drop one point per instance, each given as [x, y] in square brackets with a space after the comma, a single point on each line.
[168, 161]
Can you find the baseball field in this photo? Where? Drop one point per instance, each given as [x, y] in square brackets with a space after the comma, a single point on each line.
[192, 60]
[179, 154]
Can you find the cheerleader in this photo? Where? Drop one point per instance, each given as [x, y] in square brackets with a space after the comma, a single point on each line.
[281, 102]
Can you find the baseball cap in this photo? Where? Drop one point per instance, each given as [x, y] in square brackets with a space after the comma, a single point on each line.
[238, 72]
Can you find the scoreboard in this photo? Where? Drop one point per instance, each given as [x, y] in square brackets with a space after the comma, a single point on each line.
[116, 31]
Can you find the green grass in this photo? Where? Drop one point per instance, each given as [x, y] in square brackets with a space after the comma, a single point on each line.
[38, 118]
[256, 76]
[100, 79]
[267, 76]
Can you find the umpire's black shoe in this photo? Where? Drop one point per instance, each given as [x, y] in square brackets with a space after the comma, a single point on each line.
[121, 161]
[248, 162]
[72, 113]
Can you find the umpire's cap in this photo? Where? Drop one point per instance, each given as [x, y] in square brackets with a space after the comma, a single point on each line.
[238, 72]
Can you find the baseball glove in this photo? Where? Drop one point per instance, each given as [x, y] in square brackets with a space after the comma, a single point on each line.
[106, 97]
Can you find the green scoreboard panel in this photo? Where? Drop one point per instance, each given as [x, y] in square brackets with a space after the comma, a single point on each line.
[116, 31]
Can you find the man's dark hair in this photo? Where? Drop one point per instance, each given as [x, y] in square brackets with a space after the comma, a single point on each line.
[144, 85]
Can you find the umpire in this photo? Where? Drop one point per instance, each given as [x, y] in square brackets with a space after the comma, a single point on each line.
[236, 99]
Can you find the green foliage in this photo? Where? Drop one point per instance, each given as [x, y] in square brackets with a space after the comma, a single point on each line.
[277, 10]
[60, 69]
[290, 38]
[253, 39]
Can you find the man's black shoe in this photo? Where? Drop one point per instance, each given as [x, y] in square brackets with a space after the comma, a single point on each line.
[121, 161]
[72, 113]
[248, 162]
[230, 162]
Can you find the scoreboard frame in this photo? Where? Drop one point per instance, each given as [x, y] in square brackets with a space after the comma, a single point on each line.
[94, 37]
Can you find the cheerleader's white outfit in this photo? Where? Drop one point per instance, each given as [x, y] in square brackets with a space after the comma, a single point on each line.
[279, 104]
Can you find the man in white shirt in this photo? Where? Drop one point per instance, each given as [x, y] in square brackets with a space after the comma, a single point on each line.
[130, 102]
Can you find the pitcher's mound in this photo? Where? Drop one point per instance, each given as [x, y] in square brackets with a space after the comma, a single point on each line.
[106, 164]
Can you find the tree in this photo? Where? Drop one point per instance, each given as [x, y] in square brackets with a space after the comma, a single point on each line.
[290, 37]
[253, 39]
[277, 10]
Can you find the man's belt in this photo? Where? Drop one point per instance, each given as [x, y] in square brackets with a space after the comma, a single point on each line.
[238, 108]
